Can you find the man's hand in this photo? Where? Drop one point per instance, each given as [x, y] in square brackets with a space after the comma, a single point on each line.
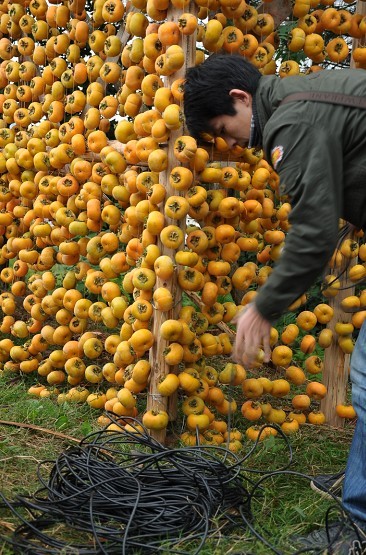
[252, 333]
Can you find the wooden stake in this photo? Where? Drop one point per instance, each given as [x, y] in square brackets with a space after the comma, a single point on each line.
[279, 10]
[159, 368]
[336, 363]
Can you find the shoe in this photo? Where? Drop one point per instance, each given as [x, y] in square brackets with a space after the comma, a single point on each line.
[338, 538]
[327, 484]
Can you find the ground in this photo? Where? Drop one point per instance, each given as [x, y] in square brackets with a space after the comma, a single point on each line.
[286, 506]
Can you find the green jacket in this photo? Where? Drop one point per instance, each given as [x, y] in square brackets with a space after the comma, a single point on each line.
[319, 151]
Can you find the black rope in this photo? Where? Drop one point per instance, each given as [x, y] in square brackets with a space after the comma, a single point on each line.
[125, 493]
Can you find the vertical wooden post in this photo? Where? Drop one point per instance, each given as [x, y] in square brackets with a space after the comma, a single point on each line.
[279, 10]
[336, 363]
[159, 368]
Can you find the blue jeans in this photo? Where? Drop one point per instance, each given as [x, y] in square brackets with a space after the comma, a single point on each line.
[354, 488]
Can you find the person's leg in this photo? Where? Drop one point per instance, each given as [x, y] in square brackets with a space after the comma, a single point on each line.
[354, 487]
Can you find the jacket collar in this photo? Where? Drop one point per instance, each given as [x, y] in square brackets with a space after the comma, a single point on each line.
[255, 139]
[265, 100]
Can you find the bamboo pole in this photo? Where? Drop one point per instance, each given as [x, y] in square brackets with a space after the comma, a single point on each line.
[336, 363]
[159, 368]
[279, 10]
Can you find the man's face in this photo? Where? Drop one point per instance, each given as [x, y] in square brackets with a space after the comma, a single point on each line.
[235, 129]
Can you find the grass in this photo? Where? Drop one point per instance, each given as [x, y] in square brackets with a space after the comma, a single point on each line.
[287, 505]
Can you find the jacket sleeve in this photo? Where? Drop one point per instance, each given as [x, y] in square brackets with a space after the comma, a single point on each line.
[310, 173]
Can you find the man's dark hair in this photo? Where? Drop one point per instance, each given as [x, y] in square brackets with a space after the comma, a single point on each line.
[207, 87]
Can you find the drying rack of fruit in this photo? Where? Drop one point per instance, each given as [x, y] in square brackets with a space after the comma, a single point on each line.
[127, 248]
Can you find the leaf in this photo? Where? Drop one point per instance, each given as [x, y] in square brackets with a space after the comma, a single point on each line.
[86, 428]
[62, 422]
[270, 442]
[186, 301]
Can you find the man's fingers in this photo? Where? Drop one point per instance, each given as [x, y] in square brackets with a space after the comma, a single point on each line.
[252, 332]
[249, 349]
[248, 360]
[267, 348]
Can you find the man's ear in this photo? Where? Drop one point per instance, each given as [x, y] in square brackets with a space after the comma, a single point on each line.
[242, 96]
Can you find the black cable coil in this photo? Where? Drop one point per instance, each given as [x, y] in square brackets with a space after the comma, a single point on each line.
[125, 500]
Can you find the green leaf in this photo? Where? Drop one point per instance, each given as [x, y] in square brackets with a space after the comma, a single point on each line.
[86, 428]
[62, 422]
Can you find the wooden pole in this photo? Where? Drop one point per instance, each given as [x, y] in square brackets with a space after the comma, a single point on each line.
[159, 368]
[279, 10]
[336, 363]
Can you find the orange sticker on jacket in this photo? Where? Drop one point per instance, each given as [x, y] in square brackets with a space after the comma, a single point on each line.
[276, 155]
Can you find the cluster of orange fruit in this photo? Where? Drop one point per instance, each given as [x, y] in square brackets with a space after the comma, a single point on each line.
[71, 197]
